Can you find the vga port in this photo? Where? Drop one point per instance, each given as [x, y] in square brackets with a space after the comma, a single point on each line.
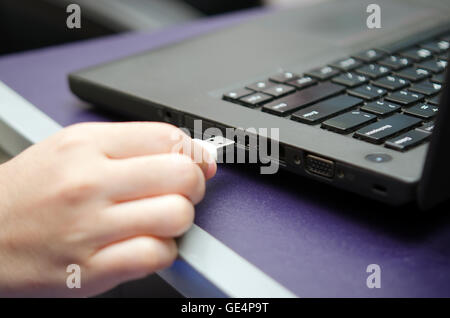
[320, 166]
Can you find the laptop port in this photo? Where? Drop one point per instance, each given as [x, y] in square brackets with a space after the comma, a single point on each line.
[168, 117]
[319, 166]
[379, 189]
[282, 153]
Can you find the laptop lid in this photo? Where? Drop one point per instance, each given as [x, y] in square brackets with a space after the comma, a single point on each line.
[434, 186]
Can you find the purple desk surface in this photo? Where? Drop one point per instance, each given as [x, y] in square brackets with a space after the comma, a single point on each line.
[313, 239]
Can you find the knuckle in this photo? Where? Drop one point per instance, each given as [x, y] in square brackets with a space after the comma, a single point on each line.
[170, 129]
[158, 253]
[170, 134]
[187, 172]
[77, 189]
[171, 253]
[183, 215]
[70, 139]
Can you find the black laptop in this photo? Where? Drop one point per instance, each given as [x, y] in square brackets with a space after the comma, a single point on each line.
[358, 108]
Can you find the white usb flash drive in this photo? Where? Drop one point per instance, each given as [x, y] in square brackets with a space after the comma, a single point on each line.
[216, 146]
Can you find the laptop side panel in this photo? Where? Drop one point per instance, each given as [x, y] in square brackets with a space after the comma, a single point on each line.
[434, 186]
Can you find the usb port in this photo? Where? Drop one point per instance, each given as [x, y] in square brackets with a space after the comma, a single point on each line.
[319, 166]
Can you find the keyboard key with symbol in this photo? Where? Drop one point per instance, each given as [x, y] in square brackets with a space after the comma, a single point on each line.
[325, 109]
[283, 77]
[413, 74]
[426, 88]
[348, 122]
[437, 46]
[395, 62]
[407, 140]
[368, 92]
[260, 86]
[404, 98]
[424, 111]
[417, 54]
[381, 108]
[385, 128]
[323, 73]
[303, 82]
[371, 55]
[350, 79]
[303, 98]
[255, 100]
[435, 66]
[347, 64]
[278, 90]
[373, 70]
[427, 127]
[391, 82]
[236, 94]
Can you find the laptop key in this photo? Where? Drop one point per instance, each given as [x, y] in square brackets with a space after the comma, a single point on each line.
[347, 64]
[368, 56]
[435, 66]
[413, 74]
[445, 56]
[367, 92]
[417, 54]
[325, 109]
[395, 62]
[323, 73]
[348, 122]
[278, 90]
[260, 86]
[381, 108]
[424, 111]
[434, 100]
[283, 77]
[436, 46]
[438, 78]
[404, 98]
[350, 79]
[303, 82]
[391, 82]
[303, 98]
[426, 88]
[373, 70]
[407, 140]
[255, 100]
[236, 94]
[385, 128]
[427, 127]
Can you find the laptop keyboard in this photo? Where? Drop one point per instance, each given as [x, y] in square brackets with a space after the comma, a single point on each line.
[380, 98]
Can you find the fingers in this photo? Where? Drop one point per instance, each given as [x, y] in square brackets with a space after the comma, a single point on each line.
[164, 216]
[127, 140]
[149, 176]
[131, 139]
[130, 259]
[199, 155]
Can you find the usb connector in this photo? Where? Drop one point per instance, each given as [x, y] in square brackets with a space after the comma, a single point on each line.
[216, 146]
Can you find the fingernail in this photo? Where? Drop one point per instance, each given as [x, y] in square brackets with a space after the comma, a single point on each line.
[212, 169]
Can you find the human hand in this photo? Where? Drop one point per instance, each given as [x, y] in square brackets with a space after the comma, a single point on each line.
[107, 197]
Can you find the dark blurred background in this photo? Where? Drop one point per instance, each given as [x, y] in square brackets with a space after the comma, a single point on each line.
[29, 24]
